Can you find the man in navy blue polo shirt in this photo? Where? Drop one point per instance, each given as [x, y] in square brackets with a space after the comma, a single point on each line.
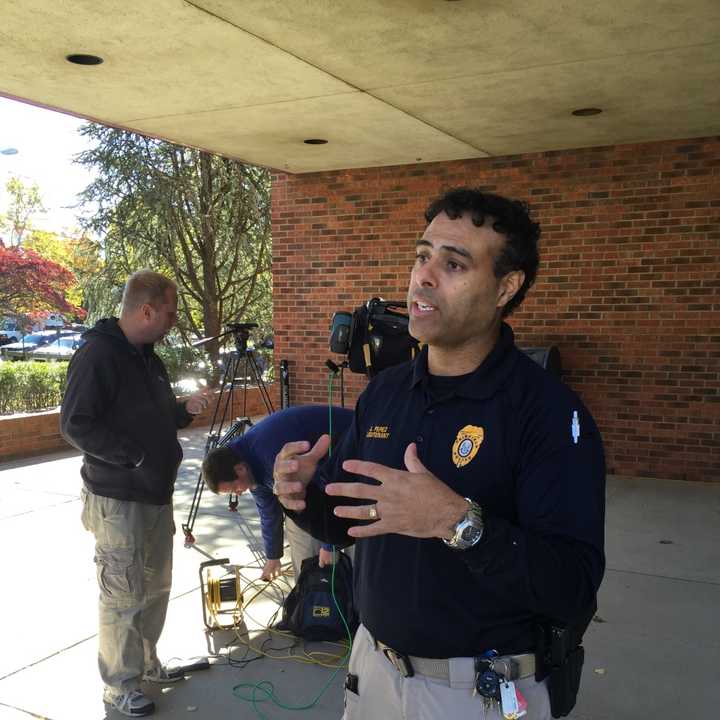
[246, 463]
[472, 482]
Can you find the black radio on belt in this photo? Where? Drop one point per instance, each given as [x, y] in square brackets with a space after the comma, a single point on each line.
[559, 656]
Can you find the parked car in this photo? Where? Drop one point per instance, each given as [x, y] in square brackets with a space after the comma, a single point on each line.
[9, 328]
[53, 320]
[60, 349]
[21, 350]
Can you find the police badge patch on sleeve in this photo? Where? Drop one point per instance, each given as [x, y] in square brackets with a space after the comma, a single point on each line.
[466, 445]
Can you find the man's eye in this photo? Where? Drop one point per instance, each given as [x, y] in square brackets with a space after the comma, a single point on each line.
[420, 259]
[454, 266]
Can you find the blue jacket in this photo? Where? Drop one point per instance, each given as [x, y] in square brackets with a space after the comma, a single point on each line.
[262, 442]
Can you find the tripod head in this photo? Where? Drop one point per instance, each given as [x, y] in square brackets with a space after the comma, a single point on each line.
[334, 368]
[239, 331]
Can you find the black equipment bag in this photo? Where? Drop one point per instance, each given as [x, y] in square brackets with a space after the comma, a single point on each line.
[310, 612]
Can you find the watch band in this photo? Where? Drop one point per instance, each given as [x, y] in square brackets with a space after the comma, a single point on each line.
[469, 529]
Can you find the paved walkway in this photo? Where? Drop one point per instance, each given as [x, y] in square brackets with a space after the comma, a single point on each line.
[654, 652]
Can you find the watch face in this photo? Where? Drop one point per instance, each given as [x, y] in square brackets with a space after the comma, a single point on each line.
[470, 534]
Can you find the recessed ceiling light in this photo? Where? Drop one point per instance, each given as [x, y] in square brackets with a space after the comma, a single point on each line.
[586, 112]
[81, 59]
[315, 141]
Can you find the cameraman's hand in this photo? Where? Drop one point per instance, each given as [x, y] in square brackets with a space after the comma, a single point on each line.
[271, 570]
[198, 401]
[294, 468]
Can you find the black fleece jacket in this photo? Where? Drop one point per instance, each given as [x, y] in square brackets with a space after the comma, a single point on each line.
[119, 409]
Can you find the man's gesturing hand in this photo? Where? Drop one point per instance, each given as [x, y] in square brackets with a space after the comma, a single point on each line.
[294, 468]
[411, 503]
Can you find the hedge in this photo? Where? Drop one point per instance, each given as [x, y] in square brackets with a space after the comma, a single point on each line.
[182, 361]
[31, 386]
[27, 386]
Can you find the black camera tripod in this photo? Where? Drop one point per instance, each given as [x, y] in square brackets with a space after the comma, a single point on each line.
[241, 365]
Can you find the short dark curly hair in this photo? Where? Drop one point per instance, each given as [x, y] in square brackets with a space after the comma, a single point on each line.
[510, 218]
[219, 467]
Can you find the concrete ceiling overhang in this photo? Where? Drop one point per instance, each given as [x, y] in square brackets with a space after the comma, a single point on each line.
[384, 83]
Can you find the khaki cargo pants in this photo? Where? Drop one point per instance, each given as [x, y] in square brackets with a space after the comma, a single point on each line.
[133, 558]
[383, 692]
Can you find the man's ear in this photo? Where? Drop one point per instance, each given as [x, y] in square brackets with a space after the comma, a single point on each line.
[242, 471]
[509, 286]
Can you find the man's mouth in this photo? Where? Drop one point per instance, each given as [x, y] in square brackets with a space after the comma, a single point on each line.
[423, 308]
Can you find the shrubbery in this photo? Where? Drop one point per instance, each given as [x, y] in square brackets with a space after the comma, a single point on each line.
[183, 362]
[30, 386]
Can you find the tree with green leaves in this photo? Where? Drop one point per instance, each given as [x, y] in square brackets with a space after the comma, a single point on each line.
[78, 253]
[24, 202]
[200, 218]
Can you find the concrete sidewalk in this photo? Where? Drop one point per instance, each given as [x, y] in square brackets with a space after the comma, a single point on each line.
[653, 652]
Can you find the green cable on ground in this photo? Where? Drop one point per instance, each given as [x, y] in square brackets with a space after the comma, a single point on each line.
[265, 686]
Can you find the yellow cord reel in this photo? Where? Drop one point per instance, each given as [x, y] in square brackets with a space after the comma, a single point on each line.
[222, 598]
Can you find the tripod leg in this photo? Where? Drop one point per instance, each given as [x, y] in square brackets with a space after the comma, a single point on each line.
[261, 386]
[226, 393]
[230, 395]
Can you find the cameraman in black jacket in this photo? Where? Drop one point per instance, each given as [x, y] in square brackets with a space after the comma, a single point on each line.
[119, 409]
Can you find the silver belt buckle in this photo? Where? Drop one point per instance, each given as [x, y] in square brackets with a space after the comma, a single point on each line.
[399, 661]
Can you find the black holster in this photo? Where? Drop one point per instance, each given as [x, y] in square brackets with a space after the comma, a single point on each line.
[559, 657]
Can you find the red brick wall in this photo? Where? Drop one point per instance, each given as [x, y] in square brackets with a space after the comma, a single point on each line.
[628, 286]
[27, 435]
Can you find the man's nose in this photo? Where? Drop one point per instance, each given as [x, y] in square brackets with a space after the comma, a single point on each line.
[426, 275]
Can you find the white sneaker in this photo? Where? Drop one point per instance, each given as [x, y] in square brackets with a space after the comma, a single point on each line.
[163, 674]
[131, 702]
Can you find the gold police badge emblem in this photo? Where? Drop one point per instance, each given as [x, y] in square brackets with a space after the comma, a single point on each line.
[466, 444]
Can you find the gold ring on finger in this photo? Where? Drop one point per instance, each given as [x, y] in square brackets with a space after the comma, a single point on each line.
[372, 512]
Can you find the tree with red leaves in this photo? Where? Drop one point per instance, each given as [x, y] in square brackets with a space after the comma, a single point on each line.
[30, 283]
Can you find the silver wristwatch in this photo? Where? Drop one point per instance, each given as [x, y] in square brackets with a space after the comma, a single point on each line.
[469, 528]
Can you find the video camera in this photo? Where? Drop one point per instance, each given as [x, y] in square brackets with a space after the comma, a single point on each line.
[373, 337]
